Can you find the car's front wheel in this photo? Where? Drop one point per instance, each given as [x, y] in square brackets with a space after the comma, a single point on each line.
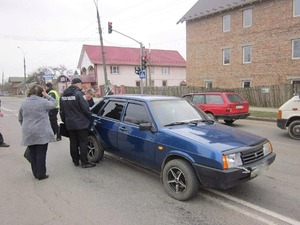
[180, 180]
[294, 129]
[95, 150]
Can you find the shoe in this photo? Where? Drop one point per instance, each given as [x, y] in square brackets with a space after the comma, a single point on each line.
[3, 144]
[43, 177]
[76, 163]
[58, 139]
[88, 165]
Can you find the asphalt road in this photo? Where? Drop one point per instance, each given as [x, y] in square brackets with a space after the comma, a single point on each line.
[118, 193]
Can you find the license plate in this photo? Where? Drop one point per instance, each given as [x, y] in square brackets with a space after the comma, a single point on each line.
[239, 107]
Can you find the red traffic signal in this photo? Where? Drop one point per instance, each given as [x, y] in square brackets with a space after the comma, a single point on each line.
[110, 27]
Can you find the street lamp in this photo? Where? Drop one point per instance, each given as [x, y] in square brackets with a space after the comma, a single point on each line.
[24, 65]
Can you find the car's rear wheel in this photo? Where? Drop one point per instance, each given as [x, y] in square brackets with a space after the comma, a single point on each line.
[211, 116]
[229, 122]
[180, 180]
[95, 150]
[294, 129]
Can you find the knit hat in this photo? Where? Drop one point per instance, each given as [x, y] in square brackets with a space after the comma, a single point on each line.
[49, 85]
[76, 80]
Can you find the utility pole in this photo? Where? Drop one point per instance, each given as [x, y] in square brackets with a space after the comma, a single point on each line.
[24, 65]
[102, 48]
[141, 50]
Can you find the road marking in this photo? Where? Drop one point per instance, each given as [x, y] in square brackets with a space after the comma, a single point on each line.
[254, 207]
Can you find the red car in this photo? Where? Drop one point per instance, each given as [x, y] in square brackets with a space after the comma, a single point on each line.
[228, 106]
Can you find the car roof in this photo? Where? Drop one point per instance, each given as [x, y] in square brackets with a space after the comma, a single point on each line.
[141, 97]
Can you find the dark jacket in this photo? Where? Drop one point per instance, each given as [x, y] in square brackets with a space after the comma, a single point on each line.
[74, 110]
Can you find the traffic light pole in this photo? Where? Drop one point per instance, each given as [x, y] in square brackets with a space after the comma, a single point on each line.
[141, 55]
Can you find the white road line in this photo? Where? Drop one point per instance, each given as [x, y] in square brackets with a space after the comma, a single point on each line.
[256, 208]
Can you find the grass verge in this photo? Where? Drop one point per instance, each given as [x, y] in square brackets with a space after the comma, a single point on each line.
[264, 114]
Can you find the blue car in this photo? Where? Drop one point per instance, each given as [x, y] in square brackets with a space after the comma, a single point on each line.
[176, 139]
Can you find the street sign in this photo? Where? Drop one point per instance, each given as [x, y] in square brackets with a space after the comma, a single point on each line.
[142, 74]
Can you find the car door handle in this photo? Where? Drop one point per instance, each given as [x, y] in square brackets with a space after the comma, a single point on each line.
[122, 129]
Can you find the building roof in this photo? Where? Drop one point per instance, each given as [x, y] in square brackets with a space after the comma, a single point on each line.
[15, 79]
[204, 8]
[131, 56]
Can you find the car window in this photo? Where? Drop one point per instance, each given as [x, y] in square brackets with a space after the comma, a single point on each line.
[136, 114]
[187, 97]
[113, 110]
[96, 108]
[198, 99]
[234, 98]
[214, 99]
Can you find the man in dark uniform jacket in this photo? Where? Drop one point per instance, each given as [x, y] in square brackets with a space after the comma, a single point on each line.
[76, 114]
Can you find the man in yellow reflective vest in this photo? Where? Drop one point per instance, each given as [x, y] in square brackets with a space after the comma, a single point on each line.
[54, 112]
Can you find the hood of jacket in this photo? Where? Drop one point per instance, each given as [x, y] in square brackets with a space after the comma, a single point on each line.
[71, 90]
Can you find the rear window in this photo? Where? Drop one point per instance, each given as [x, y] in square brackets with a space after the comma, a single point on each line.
[234, 98]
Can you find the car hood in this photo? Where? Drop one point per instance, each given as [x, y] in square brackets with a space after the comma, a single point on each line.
[217, 136]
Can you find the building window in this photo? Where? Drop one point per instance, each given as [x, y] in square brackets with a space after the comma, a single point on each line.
[114, 70]
[226, 23]
[247, 54]
[245, 84]
[208, 84]
[296, 48]
[296, 8]
[165, 70]
[164, 83]
[226, 56]
[247, 18]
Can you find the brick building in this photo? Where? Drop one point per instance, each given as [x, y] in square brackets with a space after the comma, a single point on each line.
[243, 43]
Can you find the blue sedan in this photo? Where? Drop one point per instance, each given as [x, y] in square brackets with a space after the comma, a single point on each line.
[176, 139]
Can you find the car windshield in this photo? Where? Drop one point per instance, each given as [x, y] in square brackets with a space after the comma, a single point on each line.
[174, 112]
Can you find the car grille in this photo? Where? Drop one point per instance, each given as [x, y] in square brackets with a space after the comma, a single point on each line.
[250, 157]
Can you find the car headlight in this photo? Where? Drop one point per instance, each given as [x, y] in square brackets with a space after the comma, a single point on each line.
[267, 148]
[232, 160]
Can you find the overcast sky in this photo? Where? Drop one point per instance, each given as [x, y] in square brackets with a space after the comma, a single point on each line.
[52, 32]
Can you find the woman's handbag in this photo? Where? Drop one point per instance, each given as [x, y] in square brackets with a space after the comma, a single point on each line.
[27, 154]
[63, 130]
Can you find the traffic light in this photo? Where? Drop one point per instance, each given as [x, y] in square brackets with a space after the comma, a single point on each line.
[137, 70]
[144, 62]
[110, 27]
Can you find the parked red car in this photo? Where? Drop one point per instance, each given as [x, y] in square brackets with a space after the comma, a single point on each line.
[228, 106]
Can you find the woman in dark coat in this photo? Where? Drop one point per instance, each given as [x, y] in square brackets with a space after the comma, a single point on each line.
[36, 128]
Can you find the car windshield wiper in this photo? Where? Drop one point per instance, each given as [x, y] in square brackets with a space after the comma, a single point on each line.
[195, 121]
[175, 123]
[208, 121]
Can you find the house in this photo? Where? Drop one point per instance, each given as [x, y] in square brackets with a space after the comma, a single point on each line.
[243, 43]
[164, 67]
[15, 84]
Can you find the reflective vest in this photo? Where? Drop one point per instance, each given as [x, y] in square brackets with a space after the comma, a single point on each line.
[56, 96]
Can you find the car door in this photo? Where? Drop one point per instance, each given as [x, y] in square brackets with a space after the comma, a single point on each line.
[134, 144]
[107, 124]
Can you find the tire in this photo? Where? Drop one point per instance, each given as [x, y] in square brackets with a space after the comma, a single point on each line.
[180, 180]
[211, 116]
[294, 129]
[95, 150]
[229, 122]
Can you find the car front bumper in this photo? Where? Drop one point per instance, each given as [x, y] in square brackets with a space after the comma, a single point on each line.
[281, 123]
[224, 179]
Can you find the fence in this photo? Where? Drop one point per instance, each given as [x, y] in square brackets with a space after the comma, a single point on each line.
[268, 96]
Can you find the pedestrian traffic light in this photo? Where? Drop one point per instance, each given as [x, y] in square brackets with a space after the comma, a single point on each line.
[144, 62]
[137, 70]
[110, 27]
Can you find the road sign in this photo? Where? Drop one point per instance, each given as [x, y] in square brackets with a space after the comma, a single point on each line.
[142, 74]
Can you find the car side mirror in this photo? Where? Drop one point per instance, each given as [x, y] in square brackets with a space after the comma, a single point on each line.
[145, 126]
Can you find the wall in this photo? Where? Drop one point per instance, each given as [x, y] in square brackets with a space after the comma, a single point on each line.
[273, 28]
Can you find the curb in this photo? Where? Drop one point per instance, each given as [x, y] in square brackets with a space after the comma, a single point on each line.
[262, 119]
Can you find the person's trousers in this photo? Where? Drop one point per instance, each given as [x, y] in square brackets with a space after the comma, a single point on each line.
[53, 120]
[78, 145]
[38, 159]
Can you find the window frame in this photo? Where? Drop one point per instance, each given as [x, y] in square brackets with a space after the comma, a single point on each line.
[296, 8]
[298, 48]
[226, 23]
[250, 53]
[208, 84]
[246, 17]
[114, 70]
[224, 56]
[246, 81]
[165, 70]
